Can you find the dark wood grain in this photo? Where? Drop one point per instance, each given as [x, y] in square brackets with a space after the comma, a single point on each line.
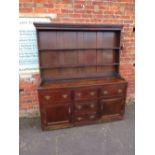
[79, 69]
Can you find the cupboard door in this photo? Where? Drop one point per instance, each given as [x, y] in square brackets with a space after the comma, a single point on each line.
[112, 106]
[57, 114]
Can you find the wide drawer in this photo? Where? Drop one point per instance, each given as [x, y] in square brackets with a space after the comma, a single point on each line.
[113, 90]
[85, 107]
[85, 118]
[85, 94]
[54, 96]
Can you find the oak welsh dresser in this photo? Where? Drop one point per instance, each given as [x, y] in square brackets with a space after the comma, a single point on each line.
[80, 79]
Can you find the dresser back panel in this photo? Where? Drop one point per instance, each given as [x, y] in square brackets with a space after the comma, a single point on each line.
[78, 53]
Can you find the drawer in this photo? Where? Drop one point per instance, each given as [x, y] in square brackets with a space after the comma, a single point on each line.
[55, 96]
[85, 107]
[85, 94]
[113, 90]
[86, 118]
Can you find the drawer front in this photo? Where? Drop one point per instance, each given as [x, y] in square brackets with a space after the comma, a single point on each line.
[55, 96]
[85, 94]
[112, 106]
[85, 118]
[113, 90]
[85, 107]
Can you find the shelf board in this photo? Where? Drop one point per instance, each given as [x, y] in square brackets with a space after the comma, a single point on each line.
[78, 66]
[79, 49]
[86, 76]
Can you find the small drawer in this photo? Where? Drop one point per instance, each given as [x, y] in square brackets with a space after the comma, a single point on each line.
[85, 107]
[85, 94]
[86, 118]
[113, 90]
[55, 96]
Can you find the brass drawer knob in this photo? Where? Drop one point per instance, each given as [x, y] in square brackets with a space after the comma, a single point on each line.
[92, 105]
[78, 94]
[119, 90]
[105, 92]
[78, 106]
[92, 93]
[92, 116]
[79, 118]
[47, 97]
[64, 95]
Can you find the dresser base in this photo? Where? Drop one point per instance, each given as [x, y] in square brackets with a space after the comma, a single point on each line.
[79, 103]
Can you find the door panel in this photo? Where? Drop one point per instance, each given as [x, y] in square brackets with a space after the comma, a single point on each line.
[112, 106]
[58, 114]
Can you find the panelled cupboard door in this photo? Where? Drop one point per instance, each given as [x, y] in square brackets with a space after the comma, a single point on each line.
[57, 114]
[112, 106]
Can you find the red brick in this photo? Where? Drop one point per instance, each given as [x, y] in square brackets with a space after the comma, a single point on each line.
[28, 5]
[66, 11]
[86, 16]
[25, 1]
[40, 1]
[98, 3]
[40, 10]
[89, 6]
[75, 15]
[53, 10]
[67, 1]
[25, 10]
[78, 6]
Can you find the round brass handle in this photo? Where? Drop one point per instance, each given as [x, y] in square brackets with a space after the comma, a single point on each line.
[105, 92]
[78, 106]
[79, 94]
[92, 105]
[64, 95]
[92, 116]
[119, 90]
[92, 93]
[47, 97]
[79, 118]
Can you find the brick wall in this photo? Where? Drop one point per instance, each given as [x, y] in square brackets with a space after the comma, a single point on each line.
[82, 11]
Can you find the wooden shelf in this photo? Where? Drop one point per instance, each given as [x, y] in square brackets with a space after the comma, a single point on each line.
[84, 76]
[79, 66]
[79, 49]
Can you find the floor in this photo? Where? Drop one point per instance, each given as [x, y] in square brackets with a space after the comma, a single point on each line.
[114, 138]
